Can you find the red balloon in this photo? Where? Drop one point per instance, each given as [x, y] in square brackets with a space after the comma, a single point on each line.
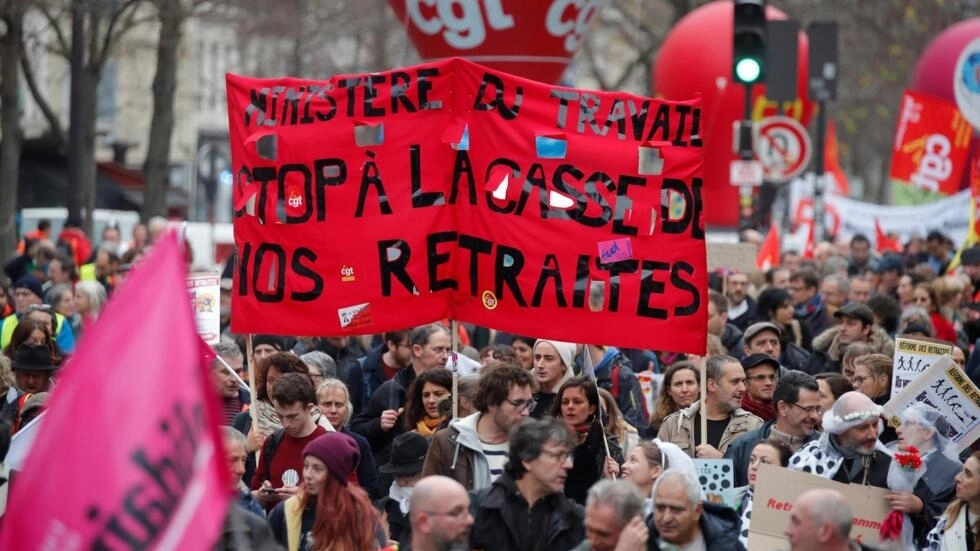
[533, 39]
[696, 59]
[934, 71]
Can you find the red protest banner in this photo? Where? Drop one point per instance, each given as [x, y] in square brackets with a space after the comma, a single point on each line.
[374, 202]
[930, 149]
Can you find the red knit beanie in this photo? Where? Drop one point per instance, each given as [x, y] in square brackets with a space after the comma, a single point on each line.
[338, 451]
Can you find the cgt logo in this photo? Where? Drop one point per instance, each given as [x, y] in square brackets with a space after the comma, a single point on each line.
[295, 200]
[464, 23]
[347, 273]
[489, 300]
[935, 165]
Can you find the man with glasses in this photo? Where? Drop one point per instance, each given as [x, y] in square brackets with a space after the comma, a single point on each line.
[526, 507]
[761, 375]
[28, 298]
[473, 450]
[797, 405]
[439, 510]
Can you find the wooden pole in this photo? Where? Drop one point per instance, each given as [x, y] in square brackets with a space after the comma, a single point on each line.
[454, 358]
[252, 411]
[704, 388]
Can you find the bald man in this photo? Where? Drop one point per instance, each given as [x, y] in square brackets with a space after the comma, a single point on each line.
[820, 521]
[440, 515]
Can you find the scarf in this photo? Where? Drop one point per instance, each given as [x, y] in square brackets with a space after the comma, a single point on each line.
[764, 411]
[816, 459]
[743, 535]
[401, 494]
[427, 427]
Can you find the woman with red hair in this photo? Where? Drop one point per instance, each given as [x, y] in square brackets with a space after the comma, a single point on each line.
[328, 512]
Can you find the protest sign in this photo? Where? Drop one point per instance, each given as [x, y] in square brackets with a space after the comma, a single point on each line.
[945, 387]
[205, 291]
[913, 355]
[129, 454]
[717, 478]
[375, 202]
[739, 257]
[777, 488]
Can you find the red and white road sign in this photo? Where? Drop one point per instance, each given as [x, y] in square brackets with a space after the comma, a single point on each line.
[783, 146]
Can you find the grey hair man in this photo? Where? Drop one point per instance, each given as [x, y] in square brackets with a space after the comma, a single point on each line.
[682, 520]
[223, 370]
[820, 521]
[321, 365]
[614, 518]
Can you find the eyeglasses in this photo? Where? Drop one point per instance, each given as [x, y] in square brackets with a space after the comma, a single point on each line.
[522, 405]
[561, 456]
[859, 379]
[39, 308]
[457, 513]
[817, 410]
[761, 378]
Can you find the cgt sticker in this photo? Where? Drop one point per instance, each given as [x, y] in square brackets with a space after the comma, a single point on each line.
[489, 300]
[355, 317]
[347, 273]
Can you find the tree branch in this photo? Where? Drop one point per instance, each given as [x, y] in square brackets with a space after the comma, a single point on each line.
[111, 35]
[56, 130]
[62, 41]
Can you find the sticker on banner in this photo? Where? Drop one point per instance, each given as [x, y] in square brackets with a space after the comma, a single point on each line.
[347, 273]
[355, 317]
[366, 134]
[615, 250]
[551, 146]
[651, 163]
[489, 300]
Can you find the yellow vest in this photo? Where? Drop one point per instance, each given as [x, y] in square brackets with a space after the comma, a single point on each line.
[10, 323]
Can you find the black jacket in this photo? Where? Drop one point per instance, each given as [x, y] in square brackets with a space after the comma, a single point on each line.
[390, 395]
[750, 316]
[731, 339]
[245, 530]
[372, 371]
[502, 520]
[936, 489]
[719, 526]
[740, 451]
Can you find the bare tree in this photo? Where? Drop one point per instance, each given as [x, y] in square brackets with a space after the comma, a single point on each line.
[11, 50]
[98, 26]
[156, 167]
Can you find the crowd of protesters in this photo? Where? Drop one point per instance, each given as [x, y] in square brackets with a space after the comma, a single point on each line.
[362, 443]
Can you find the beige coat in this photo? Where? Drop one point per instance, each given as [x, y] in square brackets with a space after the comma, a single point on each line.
[678, 428]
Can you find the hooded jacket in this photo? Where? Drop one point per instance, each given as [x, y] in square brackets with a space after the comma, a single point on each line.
[455, 451]
[719, 525]
[828, 350]
[678, 428]
[628, 395]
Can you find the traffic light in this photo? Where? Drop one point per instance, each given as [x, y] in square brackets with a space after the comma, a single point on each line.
[749, 42]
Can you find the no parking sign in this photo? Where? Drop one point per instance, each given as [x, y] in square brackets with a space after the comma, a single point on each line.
[783, 146]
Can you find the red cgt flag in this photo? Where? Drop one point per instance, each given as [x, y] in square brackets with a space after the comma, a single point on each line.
[130, 453]
[883, 242]
[769, 251]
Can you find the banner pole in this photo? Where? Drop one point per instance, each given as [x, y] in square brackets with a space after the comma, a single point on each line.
[252, 411]
[588, 370]
[454, 358]
[704, 387]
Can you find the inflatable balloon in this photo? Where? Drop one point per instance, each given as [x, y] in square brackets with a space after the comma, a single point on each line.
[696, 59]
[533, 39]
[934, 70]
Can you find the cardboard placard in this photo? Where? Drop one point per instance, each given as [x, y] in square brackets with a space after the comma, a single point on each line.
[739, 257]
[205, 291]
[776, 490]
[913, 355]
[945, 387]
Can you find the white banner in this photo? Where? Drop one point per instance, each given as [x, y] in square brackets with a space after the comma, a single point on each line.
[845, 217]
[945, 387]
[913, 355]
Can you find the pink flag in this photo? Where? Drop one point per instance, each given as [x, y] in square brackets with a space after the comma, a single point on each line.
[130, 454]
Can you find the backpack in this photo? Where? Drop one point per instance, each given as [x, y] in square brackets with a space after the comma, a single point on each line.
[270, 447]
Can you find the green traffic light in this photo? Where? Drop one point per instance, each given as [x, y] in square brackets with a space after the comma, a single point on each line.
[748, 70]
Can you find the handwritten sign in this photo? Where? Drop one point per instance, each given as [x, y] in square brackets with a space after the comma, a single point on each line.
[913, 355]
[739, 257]
[776, 490]
[450, 190]
[944, 386]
